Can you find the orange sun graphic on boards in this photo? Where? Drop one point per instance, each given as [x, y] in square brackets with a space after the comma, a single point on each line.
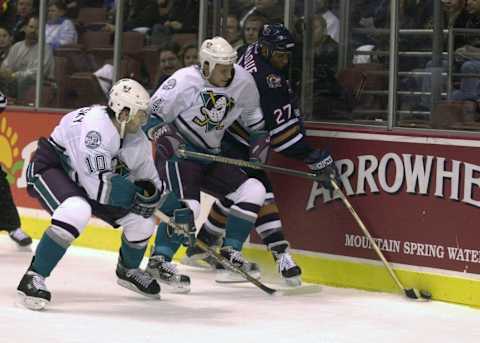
[9, 152]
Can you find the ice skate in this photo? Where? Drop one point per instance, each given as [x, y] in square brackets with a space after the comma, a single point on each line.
[20, 237]
[237, 259]
[33, 292]
[288, 269]
[166, 273]
[138, 281]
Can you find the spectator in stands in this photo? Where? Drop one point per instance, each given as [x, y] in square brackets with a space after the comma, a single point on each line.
[138, 13]
[169, 62]
[19, 69]
[7, 13]
[59, 30]
[251, 28]
[24, 12]
[182, 17]
[5, 43]
[73, 6]
[469, 57]
[104, 77]
[322, 7]
[455, 16]
[412, 14]
[232, 31]
[189, 55]
[164, 7]
[272, 9]
[325, 49]
[240, 7]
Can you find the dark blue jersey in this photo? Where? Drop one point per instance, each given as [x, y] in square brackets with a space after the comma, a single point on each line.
[279, 107]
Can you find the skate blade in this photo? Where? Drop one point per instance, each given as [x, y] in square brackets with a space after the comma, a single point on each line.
[293, 281]
[132, 287]
[177, 289]
[31, 303]
[231, 277]
[197, 263]
[300, 290]
[24, 248]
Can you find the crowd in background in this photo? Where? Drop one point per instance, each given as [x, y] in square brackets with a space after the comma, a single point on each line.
[160, 37]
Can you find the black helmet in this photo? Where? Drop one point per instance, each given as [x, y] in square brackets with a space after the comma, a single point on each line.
[276, 37]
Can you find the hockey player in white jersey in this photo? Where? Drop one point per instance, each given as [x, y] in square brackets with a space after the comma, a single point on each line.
[99, 162]
[194, 107]
[267, 60]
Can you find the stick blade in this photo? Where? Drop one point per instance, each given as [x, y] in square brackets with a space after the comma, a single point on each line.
[300, 290]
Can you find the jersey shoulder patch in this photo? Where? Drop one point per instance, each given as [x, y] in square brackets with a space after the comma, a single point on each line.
[93, 139]
[274, 81]
[169, 84]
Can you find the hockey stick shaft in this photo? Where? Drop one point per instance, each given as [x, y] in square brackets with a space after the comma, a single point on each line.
[219, 258]
[181, 152]
[367, 233]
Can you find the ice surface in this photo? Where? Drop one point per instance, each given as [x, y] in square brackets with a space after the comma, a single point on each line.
[88, 306]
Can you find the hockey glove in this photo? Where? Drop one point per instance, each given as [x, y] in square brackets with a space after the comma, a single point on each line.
[169, 203]
[167, 141]
[322, 164]
[259, 146]
[184, 218]
[181, 215]
[146, 199]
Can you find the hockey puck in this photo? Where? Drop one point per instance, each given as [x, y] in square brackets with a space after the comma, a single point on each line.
[425, 294]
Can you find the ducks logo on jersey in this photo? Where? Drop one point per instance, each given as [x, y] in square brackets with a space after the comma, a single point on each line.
[215, 108]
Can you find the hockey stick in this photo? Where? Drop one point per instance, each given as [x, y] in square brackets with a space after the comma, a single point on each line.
[219, 258]
[182, 153]
[409, 292]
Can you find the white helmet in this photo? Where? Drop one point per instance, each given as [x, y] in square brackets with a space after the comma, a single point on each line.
[128, 93]
[216, 51]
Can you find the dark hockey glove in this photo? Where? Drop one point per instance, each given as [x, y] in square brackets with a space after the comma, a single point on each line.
[259, 146]
[322, 164]
[146, 199]
[167, 141]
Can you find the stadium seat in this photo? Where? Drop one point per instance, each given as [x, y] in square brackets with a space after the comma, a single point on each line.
[84, 90]
[357, 78]
[90, 15]
[456, 115]
[183, 39]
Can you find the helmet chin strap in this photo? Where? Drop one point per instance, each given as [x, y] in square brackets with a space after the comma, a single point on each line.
[123, 124]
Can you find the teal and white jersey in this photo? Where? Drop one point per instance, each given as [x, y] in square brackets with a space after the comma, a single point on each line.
[202, 112]
[91, 149]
